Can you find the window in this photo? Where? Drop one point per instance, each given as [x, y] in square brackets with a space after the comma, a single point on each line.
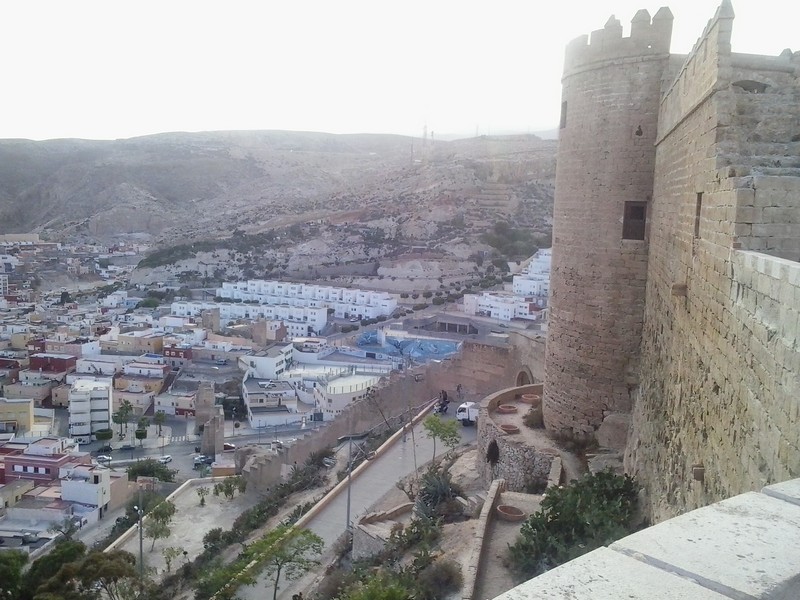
[698, 208]
[18, 468]
[563, 115]
[634, 219]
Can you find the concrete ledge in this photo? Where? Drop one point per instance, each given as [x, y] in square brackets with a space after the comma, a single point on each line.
[470, 569]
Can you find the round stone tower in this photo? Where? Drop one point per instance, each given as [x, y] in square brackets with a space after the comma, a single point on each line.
[604, 184]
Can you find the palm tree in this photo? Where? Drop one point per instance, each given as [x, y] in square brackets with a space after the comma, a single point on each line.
[159, 418]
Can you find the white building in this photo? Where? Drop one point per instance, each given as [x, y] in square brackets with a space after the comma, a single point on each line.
[269, 363]
[87, 485]
[332, 395]
[298, 320]
[528, 299]
[271, 402]
[345, 302]
[505, 306]
[535, 279]
[90, 408]
[3, 285]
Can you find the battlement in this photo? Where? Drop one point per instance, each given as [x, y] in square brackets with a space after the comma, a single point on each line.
[649, 37]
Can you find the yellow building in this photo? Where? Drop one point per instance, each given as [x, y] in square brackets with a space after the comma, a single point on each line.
[16, 415]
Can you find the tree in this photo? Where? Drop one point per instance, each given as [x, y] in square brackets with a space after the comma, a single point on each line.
[150, 468]
[84, 579]
[156, 530]
[124, 414]
[45, 567]
[103, 435]
[159, 419]
[141, 430]
[119, 419]
[228, 486]
[170, 553]
[11, 564]
[66, 527]
[445, 430]
[141, 435]
[202, 492]
[158, 520]
[287, 552]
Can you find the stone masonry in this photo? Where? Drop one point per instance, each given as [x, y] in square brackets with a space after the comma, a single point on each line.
[710, 362]
[606, 156]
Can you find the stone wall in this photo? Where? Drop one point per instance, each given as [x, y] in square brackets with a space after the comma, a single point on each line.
[606, 155]
[520, 462]
[716, 412]
[479, 368]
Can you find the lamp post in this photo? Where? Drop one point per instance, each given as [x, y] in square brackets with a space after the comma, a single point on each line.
[348, 529]
[140, 512]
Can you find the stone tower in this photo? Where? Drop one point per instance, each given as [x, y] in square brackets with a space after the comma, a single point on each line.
[604, 184]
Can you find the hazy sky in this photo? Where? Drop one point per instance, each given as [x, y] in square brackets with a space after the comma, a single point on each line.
[120, 68]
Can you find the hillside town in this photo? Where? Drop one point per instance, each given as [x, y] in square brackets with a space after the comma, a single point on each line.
[97, 377]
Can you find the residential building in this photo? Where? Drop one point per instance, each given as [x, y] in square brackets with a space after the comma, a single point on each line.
[345, 302]
[534, 280]
[271, 402]
[334, 393]
[16, 415]
[3, 285]
[177, 356]
[74, 347]
[298, 320]
[90, 409]
[141, 341]
[269, 363]
[42, 459]
[87, 484]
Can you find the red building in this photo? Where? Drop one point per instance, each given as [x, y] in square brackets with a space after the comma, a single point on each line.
[52, 363]
[177, 356]
[42, 460]
[35, 346]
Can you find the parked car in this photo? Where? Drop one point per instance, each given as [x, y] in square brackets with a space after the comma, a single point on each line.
[103, 450]
[103, 458]
[165, 459]
[221, 361]
[354, 319]
[127, 447]
[228, 446]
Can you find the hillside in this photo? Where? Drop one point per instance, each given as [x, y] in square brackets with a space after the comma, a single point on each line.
[350, 198]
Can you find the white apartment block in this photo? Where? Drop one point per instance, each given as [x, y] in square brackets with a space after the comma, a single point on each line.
[345, 302]
[269, 363]
[3, 284]
[535, 279]
[504, 306]
[299, 320]
[90, 408]
[335, 393]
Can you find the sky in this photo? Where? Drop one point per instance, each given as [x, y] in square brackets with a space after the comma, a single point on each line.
[106, 69]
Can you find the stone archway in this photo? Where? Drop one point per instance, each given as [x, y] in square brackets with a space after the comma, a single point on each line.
[524, 377]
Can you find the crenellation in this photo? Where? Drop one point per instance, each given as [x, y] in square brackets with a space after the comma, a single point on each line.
[710, 371]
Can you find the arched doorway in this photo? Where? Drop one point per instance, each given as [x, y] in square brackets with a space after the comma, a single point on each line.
[524, 377]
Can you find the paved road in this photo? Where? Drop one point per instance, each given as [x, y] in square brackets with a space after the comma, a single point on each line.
[378, 479]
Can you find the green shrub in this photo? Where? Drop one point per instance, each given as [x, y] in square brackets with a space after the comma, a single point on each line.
[573, 520]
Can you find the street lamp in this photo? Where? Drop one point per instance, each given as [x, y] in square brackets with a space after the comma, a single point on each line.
[140, 512]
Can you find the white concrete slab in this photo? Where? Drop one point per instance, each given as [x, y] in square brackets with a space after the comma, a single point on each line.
[788, 491]
[607, 575]
[743, 547]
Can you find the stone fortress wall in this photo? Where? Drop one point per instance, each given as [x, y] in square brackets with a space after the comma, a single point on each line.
[720, 363]
[606, 156]
[716, 390]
